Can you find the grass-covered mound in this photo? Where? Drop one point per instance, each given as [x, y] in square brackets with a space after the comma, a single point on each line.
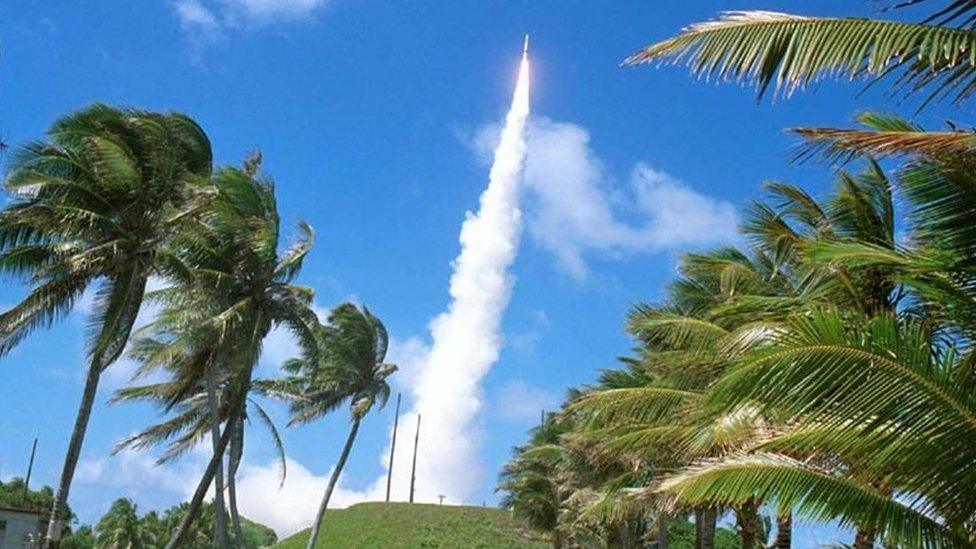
[416, 525]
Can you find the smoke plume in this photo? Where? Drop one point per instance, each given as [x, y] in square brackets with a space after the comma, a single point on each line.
[466, 338]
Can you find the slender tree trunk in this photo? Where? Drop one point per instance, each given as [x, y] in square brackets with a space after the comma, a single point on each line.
[747, 522]
[557, 539]
[784, 531]
[56, 525]
[196, 502]
[332, 482]
[661, 524]
[125, 299]
[864, 539]
[705, 520]
[236, 450]
[214, 406]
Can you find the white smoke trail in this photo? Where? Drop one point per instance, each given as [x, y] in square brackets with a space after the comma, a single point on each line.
[466, 338]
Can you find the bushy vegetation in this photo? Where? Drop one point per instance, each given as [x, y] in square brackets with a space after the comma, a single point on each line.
[123, 526]
[12, 495]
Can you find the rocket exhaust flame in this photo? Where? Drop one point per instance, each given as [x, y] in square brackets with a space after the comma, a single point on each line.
[466, 338]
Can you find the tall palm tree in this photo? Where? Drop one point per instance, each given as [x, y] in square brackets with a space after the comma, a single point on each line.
[95, 204]
[234, 288]
[350, 367]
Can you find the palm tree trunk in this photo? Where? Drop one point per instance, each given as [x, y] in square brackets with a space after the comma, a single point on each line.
[661, 523]
[196, 502]
[747, 518]
[221, 512]
[236, 449]
[705, 520]
[557, 539]
[56, 524]
[332, 483]
[784, 531]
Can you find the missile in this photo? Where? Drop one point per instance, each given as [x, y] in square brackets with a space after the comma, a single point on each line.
[525, 48]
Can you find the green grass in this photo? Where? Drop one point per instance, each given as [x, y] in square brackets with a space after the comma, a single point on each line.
[416, 525]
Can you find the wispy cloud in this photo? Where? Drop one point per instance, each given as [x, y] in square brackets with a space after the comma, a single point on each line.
[263, 12]
[205, 22]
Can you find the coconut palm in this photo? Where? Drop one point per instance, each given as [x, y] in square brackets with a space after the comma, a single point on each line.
[530, 483]
[661, 422]
[726, 304]
[349, 367]
[917, 397]
[119, 528]
[94, 206]
[234, 288]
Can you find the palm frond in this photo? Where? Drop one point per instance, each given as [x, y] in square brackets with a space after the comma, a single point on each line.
[790, 52]
[810, 492]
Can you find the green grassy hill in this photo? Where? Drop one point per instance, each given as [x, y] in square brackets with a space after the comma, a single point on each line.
[416, 525]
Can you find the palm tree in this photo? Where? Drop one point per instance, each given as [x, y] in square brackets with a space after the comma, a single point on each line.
[349, 367]
[95, 205]
[119, 528]
[912, 409]
[531, 484]
[725, 304]
[233, 289]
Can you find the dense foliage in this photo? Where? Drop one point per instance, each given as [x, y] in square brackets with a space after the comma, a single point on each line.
[826, 369]
[123, 527]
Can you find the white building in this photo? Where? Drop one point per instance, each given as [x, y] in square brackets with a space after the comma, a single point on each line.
[19, 528]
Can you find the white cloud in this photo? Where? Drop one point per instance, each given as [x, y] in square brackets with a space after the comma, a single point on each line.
[193, 13]
[206, 21]
[520, 401]
[291, 507]
[138, 475]
[286, 508]
[576, 209]
[198, 23]
[271, 11]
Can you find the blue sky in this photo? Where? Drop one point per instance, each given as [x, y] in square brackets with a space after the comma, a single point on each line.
[374, 119]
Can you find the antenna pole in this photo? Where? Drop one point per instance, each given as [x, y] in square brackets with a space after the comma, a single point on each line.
[30, 468]
[389, 470]
[413, 471]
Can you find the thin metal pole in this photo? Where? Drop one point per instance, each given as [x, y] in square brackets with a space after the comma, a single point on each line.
[30, 468]
[389, 470]
[413, 471]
